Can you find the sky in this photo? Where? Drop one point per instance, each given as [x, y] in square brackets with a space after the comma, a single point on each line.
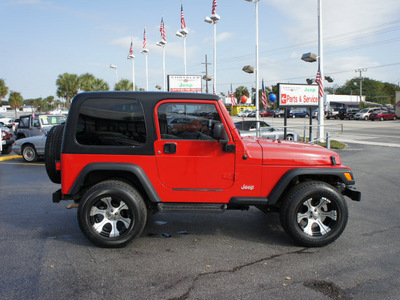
[41, 39]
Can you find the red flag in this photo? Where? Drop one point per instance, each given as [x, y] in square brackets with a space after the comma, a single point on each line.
[233, 100]
[144, 39]
[162, 30]
[183, 25]
[320, 83]
[130, 50]
[214, 6]
[264, 96]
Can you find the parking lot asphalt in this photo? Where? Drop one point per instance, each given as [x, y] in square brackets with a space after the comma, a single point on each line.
[234, 255]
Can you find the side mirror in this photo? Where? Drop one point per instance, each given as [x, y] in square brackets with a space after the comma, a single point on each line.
[219, 133]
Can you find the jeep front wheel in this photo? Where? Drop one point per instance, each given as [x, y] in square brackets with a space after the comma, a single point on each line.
[314, 214]
[111, 214]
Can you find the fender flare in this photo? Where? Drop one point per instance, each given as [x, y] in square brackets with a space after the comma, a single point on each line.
[131, 168]
[285, 180]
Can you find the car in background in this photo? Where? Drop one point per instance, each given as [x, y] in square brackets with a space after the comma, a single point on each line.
[7, 139]
[383, 115]
[31, 148]
[278, 113]
[244, 113]
[31, 125]
[248, 128]
[7, 122]
[297, 113]
[266, 113]
[347, 113]
[364, 113]
[252, 114]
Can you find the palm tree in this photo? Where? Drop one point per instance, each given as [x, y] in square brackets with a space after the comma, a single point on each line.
[68, 86]
[15, 100]
[3, 89]
[123, 85]
[86, 82]
[100, 85]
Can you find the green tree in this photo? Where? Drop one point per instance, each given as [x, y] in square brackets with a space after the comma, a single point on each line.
[373, 90]
[67, 86]
[3, 89]
[241, 91]
[100, 85]
[16, 100]
[86, 82]
[123, 85]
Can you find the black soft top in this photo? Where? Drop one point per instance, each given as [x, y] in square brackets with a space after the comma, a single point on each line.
[148, 101]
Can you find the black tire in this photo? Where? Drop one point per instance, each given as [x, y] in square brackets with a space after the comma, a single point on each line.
[394, 118]
[289, 137]
[366, 118]
[29, 153]
[53, 152]
[6, 149]
[314, 214]
[112, 207]
[381, 119]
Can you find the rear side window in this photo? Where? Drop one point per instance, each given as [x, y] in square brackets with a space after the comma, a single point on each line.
[111, 122]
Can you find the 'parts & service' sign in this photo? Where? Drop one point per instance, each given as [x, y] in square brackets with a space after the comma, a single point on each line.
[297, 95]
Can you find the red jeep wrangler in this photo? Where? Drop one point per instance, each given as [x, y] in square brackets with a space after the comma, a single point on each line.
[122, 154]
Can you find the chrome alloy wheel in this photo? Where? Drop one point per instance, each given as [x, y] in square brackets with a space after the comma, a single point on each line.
[110, 217]
[316, 217]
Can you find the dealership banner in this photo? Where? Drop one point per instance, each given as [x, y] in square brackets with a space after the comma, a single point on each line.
[184, 83]
[291, 95]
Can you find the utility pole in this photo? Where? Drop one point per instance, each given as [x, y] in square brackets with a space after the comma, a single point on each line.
[206, 78]
[360, 71]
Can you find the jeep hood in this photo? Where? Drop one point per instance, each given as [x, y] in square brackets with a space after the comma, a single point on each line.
[281, 152]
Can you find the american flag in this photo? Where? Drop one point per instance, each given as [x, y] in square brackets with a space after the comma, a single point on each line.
[264, 95]
[214, 6]
[144, 39]
[162, 30]
[131, 50]
[233, 100]
[320, 83]
[183, 25]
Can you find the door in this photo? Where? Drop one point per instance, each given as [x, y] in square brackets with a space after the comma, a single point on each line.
[188, 157]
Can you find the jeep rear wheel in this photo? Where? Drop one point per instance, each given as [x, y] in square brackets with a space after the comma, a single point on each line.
[314, 214]
[111, 214]
[53, 152]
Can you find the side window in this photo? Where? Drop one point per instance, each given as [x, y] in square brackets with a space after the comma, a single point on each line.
[23, 122]
[187, 121]
[111, 122]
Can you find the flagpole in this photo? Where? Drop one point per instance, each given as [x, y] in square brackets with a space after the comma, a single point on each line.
[164, 77]
[321, 111]
[147, 74]
[133, 74]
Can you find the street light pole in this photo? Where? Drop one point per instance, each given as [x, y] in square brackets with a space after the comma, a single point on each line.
[213, 19]
[116, 72]
[256, 71]
[361, 70]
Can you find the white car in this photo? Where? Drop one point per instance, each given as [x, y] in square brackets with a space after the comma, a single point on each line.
[364, 113]
[31, 148]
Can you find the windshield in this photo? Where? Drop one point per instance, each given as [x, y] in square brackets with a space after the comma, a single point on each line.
[52, 120]
[364, 110]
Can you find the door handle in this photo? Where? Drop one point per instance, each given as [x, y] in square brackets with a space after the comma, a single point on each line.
[170, 148]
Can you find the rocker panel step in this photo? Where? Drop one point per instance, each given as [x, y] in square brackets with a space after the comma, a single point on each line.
[198, 207]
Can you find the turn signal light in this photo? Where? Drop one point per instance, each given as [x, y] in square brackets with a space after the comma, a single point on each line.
[348, 176]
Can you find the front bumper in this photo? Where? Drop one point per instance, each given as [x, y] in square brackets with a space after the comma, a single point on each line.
[352, 193]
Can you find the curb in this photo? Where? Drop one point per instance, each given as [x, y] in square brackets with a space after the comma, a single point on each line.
[10, 157]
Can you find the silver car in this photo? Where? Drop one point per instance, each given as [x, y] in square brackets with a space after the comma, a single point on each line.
[248, 128]
[364, 113]
[31, 148]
